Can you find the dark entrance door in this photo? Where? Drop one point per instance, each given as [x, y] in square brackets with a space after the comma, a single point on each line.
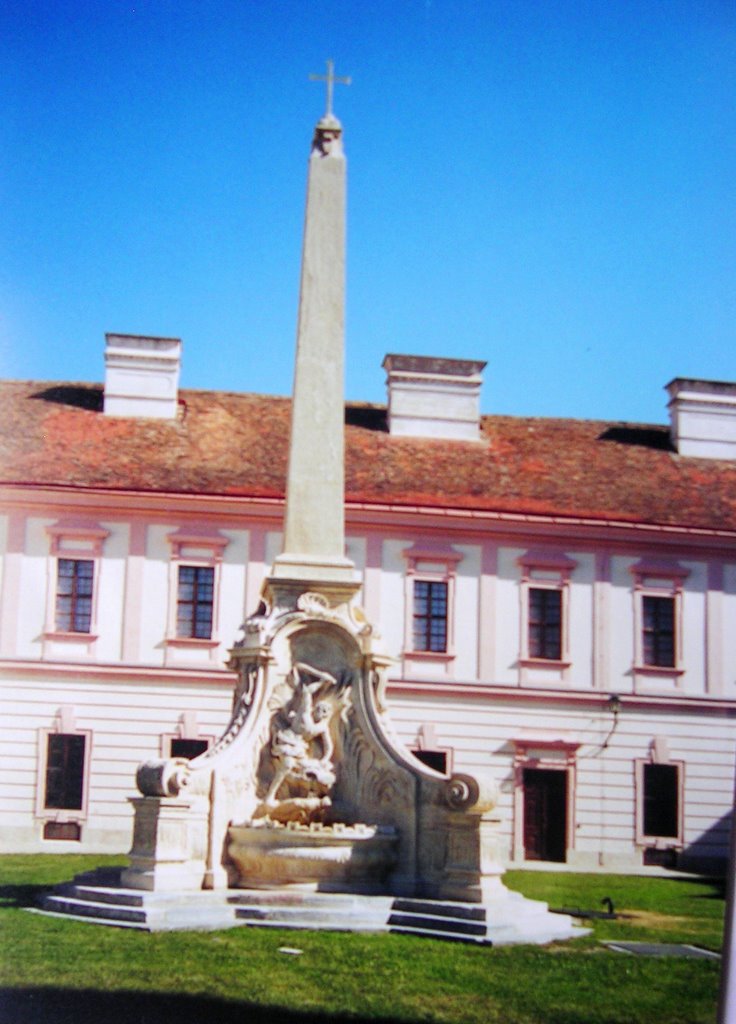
[545, 814]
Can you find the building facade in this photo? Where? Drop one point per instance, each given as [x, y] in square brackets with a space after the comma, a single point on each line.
[559, 597]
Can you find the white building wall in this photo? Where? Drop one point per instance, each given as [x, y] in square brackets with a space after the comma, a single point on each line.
[621, 625]
[479, 734]
[4, 521]
[580, 624]
[34, 589]
[393, 597]
[508, 613]
[110, 586]
[232, 609]
[467, 589]
[155, 595]
[694, 628]
[127, 721]
[727, 634]
[128, 718]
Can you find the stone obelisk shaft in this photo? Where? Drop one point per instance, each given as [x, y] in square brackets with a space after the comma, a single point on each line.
[314, 535]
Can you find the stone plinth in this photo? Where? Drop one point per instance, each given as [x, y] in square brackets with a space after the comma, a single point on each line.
[167, 854]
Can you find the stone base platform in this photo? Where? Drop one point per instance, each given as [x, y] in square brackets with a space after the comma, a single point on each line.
[98, 897]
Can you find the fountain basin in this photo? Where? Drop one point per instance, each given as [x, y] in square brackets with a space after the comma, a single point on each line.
[267, 855]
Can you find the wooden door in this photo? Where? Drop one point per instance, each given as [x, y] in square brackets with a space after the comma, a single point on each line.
[545, 814]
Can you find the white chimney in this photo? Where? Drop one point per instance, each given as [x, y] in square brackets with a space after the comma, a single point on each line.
[703, 418]
[141, 376]
[430, 397]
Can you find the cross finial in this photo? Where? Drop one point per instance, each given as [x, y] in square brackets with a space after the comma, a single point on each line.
[330, 78]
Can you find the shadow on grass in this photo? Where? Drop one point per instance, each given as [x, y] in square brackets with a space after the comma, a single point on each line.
[716, 885]
[65, 1006]
[22, 895]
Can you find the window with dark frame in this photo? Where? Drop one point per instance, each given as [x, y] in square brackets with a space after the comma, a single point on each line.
[189, 748]
[545, 623]
[195, 602]
[660, 809]
[74, 588]
[658, 631]
[436, 759]
[430, 616]
[64, 783]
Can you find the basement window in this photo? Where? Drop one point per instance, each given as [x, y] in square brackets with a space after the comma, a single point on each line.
[67, 830]
[188, 748]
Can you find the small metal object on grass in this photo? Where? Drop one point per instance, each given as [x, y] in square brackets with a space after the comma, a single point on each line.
[662, 949]
[290, 950]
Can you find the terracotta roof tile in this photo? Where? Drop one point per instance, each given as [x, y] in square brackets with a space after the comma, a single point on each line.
[236, 444]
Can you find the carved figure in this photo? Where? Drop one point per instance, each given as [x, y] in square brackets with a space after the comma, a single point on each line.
[302, 745]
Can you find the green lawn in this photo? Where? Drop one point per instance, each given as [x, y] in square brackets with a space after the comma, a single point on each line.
[55, 971]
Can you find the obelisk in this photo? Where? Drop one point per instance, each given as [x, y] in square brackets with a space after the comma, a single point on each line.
[313, 555]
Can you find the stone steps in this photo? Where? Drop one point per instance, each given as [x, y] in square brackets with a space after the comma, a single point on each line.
[109, 922]
[95, 897]
[438, 919]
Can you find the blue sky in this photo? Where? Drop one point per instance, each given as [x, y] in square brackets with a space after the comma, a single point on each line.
[545, 185]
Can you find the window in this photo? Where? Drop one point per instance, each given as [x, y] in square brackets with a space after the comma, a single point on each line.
[430, 616]
[189, 748]
[193, 618]
[430, 591]
[74, 589]
[545, 623]
[435, 759]
[661, 800]
[187, 741]
[62, 830]
[429, 752]
[659, 803]
[63, 777]
[658, 596]
[74, 575]
[545, 586]
[65, 759]
[195, 602]
[658, 630]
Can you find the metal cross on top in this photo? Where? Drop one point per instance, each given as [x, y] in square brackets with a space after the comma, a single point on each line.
[330, 78]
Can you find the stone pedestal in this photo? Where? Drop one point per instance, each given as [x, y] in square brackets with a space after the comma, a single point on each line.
[168, 853]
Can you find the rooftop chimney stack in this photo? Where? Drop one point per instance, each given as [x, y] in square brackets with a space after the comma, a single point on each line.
[703, 418]
[431, 397]
[142, 376]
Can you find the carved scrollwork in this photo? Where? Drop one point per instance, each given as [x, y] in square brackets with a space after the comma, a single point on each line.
[468, 793]
[313, 604]
[163, 778]
[240, 714]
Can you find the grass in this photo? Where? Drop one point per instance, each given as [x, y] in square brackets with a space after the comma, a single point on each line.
[55, 971]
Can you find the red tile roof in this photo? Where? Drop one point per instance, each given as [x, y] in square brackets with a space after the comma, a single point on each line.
[236, 444]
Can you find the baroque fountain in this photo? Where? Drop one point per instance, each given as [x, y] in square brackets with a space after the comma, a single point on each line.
[308, 802]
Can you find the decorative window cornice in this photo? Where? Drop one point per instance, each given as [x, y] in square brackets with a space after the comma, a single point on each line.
[195, 542]
[434, 554]
[648, 569]
[546, 560]
[77, 538]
